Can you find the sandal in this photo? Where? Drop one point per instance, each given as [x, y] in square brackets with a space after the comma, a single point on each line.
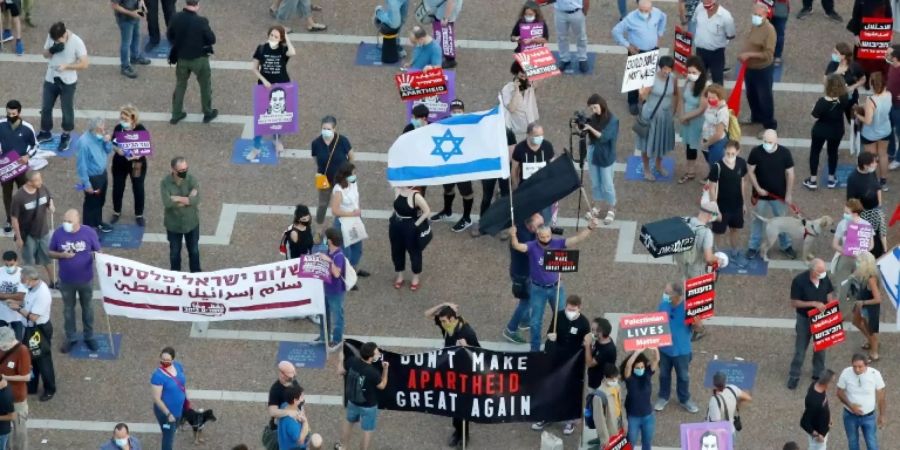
[871, 359]
[398, 284]
[317, 27]
[686, 177]
[414, 286]
[662, 172]
[315, 8]
[649, 176]
[865, 346]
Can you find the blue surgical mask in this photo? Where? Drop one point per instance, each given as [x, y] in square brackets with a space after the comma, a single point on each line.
[537, 140]
[98, 136]
[645, 16]
[639, 372]
[666, 298]
[327, 134]
[10, 269]
[415, 123]
[126, 125]
[121, 443]
[757, 20]
[68, 227]
[835, 57]
[352, 178]
[768, 147]
[848, 216]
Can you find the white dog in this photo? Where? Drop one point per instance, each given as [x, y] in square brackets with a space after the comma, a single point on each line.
[804, 230]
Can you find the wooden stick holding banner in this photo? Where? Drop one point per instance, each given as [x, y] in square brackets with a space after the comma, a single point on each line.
[112, 345]
[465, 422]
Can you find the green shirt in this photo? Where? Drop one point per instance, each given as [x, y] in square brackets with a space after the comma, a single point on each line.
[179, 218]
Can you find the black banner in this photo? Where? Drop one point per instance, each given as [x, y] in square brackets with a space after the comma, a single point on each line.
[482, 386]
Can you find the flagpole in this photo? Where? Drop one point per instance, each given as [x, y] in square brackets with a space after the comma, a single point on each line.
[556, 309]
[112, 345]
[464, 434]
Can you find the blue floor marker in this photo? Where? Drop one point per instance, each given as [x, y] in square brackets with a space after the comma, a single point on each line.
[573, 67]
[842, 173]
[123, 235]
[52, 144]
[80, 350]
[302, 354]
[634, 169]
[738, 264]
[739, 373]
[243, 146]
[161, 51]
[370, 55]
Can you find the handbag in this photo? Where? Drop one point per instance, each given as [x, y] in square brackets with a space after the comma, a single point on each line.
[187, 403]
[353, 230]
[322, 180]
[641, 126]
[269, 438]
[423, 15]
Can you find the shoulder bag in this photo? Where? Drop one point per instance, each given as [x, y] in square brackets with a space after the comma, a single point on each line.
[187, 403]
[423, 15]
[321, 179]
[641, 126]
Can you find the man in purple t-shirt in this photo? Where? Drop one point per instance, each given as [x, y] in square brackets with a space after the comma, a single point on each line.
[74, 246]
[544, 284]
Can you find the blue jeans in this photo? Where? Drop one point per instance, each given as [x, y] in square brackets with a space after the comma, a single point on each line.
[681, 364]
[393, 14]
[602, 187]
[130, 47]
[623, 9]
[779, 23]
[538, 295]
[776, 209]
[354, 252]
[522, 314]
[852, 424]
[82, 294]
[3, 440]
[895, 132]
[334, 308]
[643, 426]
[166, 428]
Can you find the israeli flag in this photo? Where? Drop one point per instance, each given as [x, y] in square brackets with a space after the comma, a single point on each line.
[459, 148]
[889, 268]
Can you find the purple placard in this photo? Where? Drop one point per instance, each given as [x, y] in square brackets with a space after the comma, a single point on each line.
[717, 435]
[275, 109]
[134, 143]
[445, 35]
[858, 238]
[314, 266]
[10, 167]
[438, 106]
[530, 31]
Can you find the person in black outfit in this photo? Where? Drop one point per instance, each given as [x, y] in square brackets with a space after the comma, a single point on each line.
[331, 151]
[600, 351]
[863, 184]
[168, 10]
[810, 290]
[729, 189]
[829, 128]
[410, 210]
[464, 188]
[126, 165]
[370, 371]
[298, 238]
[192, 42]
[18, 135]
[816, 419]
[489, 185]
[844, 64]
[419, 119]
[457, 333]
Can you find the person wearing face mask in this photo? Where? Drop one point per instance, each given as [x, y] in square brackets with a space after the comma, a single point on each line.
[94, 148]
[771, 170]
[603, 131]
[67, 56]
[545, 286]
[843, 263]
[520, 101]
[168, 383]
[661, 103]
[17, 135]
[365, 374]
[599, 351]
[294, 428]
[865, 293]
[410, 210]
[637, 371]
[829, 112]
[729, 189]
[12, 292]
[810, 290]
[531, 30]
[35, 310]
[426, 52]
[640, 31]
[530, 155]
[125, 165]
[121, 439]
[757, 56]
[456, 333]
[565, 337]
[181, 196]
[715, 30]
[608, 404]
[863, 184]
[713, 133]
[15, 369]
[270, 66]
[693, 106]
[844, 64]
[345, 205]
[335, 291]
[192, 42]
[875, 117]
[677, 356]
[298, 239]
[331, 151]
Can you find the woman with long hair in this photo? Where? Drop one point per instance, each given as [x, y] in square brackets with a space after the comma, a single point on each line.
[875, 116]
[661, 104]
[714, 135]
[270, 66]
[127, 164]
[866, 302]
[693, 105]
[844, 64]
[410, 210]
[344, 205]
[298, 239]
[844, 263]
[603, 131]
[637, 371]
[530, 30]
[828, 129]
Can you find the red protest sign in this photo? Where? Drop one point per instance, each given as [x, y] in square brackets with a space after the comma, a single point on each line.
[684, 41]
[699, 297]
[416, 85]
[874, 37]
[618, 441]
[826, 327]
[538, 63]
[646, 331]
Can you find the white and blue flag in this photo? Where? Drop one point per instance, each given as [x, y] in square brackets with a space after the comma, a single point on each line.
[889, 268]
[459, 148]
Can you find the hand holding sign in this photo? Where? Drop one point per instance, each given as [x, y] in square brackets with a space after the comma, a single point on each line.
[416, 85]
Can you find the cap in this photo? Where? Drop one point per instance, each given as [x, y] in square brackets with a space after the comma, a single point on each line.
[457, 104]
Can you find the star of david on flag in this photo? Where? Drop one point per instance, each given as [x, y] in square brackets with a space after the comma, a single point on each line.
[459, 148]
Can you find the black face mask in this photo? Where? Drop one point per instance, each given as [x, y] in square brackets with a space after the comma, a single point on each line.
[182, 174]
[11, 119]
[524, 84]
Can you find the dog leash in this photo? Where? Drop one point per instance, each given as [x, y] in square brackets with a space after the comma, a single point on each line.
[793, 207]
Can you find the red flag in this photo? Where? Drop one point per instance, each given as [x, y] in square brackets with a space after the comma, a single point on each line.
[896, 215]
[734, 102]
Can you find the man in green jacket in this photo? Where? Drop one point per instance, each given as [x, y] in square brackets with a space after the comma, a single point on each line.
[180, 199]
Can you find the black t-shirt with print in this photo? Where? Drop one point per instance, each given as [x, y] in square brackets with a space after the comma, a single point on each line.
[730, 198]
[272, 63]
[522, 154]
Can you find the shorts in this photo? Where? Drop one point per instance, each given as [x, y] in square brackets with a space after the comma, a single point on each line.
[867, 142]
[36, 251]
[872, 314]
[13, 6]
[365, 415]
[734, 220]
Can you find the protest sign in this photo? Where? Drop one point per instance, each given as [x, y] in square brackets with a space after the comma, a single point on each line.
[416, 85]
[538, 63]
[858, 238]
[889, 268]
[874, 37]
[739, 373]
[827, 327]
[699, 297]
[640, 70]
[684, 42]
[134, 143]
[561, 261]
[480, 385]
[275, 109]
[646, 331]
[707, 436]
[291, 288]
[530, 30]
[619, 441]
[438, 105]
[10, 167]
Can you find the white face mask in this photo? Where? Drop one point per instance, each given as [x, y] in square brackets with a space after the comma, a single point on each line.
[757, 20]
[327, 134]
[693, 76]
[68, 227]
[529, 19]
[612, 383]
[121, 442]
[572, 315]
[273, 44]
[730, 159]
[873, 168]
[822, 275]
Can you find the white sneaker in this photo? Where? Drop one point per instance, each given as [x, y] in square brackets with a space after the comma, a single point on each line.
[569, 428]
[538, 426]
[894, 165]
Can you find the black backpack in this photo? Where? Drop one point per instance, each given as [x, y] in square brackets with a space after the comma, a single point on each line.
[354, 387]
